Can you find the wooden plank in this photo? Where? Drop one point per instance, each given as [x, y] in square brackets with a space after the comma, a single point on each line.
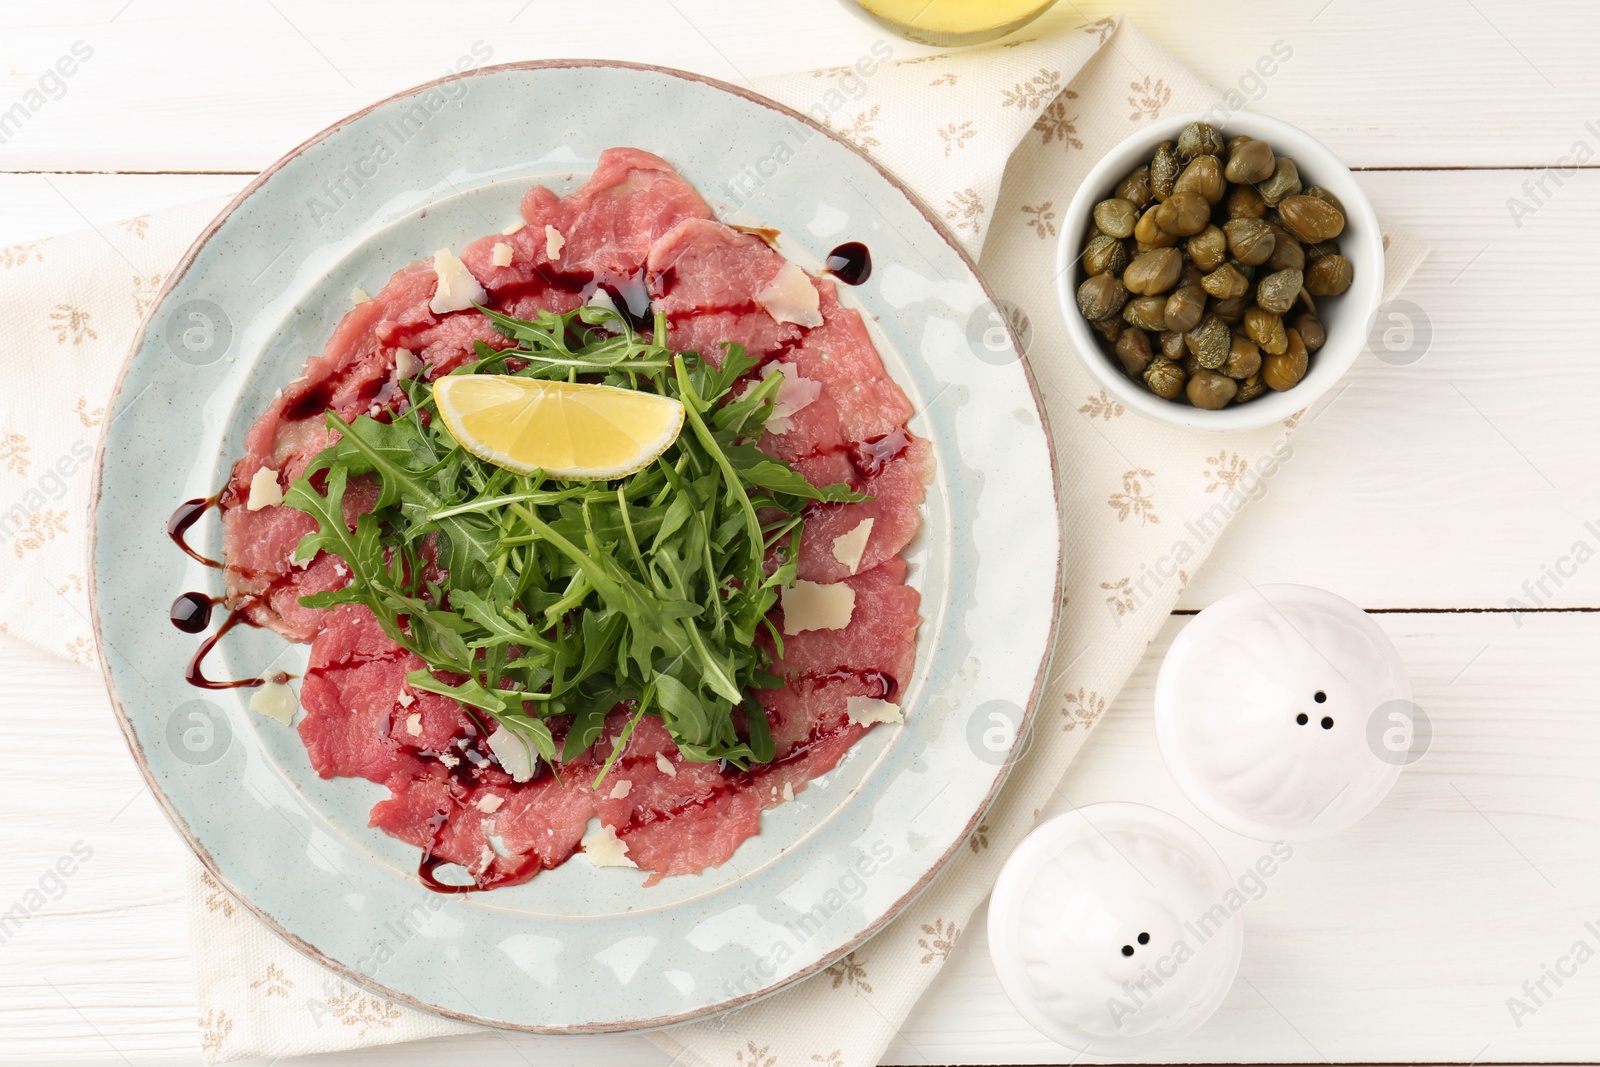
[35, 206]
[188, 85]
[1419, 922]
[1456, 479]
[1449, 482]
[1401, 939]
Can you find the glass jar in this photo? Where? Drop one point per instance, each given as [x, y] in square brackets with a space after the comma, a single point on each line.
[946, 23]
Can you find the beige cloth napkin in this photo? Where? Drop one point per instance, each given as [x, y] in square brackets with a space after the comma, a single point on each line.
[1142, 504]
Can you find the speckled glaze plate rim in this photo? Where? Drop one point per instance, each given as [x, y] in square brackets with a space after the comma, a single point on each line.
[844, 945]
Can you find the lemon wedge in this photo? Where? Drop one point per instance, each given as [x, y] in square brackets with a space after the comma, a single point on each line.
[567, 430]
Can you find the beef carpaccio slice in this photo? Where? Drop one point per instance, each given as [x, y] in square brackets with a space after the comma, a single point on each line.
[638, 230]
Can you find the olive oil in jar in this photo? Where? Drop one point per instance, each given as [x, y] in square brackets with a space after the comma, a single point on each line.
[954, 22]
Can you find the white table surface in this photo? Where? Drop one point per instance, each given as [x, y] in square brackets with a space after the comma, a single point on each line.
[1431, 492]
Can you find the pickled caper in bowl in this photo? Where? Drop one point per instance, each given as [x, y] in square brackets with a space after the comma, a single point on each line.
[1219, 271]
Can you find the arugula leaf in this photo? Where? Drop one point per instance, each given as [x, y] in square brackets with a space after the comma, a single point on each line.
[544, 606]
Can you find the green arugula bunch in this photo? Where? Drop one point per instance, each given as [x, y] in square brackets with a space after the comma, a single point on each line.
[566, 598]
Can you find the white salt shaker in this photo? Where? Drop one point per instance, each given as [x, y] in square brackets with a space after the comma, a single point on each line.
[1284, 713]
[1105, 932]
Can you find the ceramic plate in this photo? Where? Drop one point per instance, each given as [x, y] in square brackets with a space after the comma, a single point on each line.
[577, 949]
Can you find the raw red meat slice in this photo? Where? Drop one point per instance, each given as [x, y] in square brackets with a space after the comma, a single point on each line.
[897, 489]
[704, 277]
[361, 718]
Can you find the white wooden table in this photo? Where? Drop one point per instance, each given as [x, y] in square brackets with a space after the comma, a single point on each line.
[1431, 492]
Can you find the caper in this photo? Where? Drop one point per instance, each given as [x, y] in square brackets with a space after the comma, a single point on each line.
[1315, 250]
[1135, 188]
[1249, 389]
[1164, 378]
[1164, 167]
[1208, 342]
[1203, 175]
[1191, 275]
[1244, 358]
[1199, 139]
[1326, 197]
[1250, 240]
[1133, 350]
[1191, 366]
[1185, 307]
[1115, 217]
[1210, 390]
[1245, 203]
[1283, 370]
[1276, 292]
[1149, 235]
[1146, 312]
[1225, 282]
[1329, 276]
[1231, 311]
[1310, 220]
[1266, 330]
[1285, 181]
[1251, 162]
[1245, 269]
[1184, 214]
[1172, 345]
[1105, 254]
[1287, 253]
[1111, 329]
[1101, 296]
[1208, 249]
[1153, 272]
[1235, 142]
[1311, 331]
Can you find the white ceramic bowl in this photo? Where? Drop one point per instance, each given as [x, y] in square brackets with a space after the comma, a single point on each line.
[1346, 317]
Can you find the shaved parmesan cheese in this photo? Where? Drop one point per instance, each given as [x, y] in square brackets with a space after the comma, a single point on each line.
[449, 760]
[621, 789]
[406, 699]
[848, 548]
[501, 256]
[602, 299]
[553, 242]
[816, 606]
[865, 710]
[794, 392]
[515, 227]
[490, 804]
[792, 298]
[788, 791]
[264, 491]
[275, 700]
[414, 724]
[664, 765]
[359, 295]
[458, 289]
[406, 364]
[605, 849]
[514, 754]
[498, 843]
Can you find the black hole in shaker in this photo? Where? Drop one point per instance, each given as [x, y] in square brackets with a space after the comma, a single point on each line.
[1327, 722]
[1144, 939]
[1321, 697]
[1127, 950]
[1302, 718]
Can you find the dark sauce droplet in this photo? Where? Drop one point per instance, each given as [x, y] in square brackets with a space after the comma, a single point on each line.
[191, 612]
[187, 515]
[431, 863]
[851, 263]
